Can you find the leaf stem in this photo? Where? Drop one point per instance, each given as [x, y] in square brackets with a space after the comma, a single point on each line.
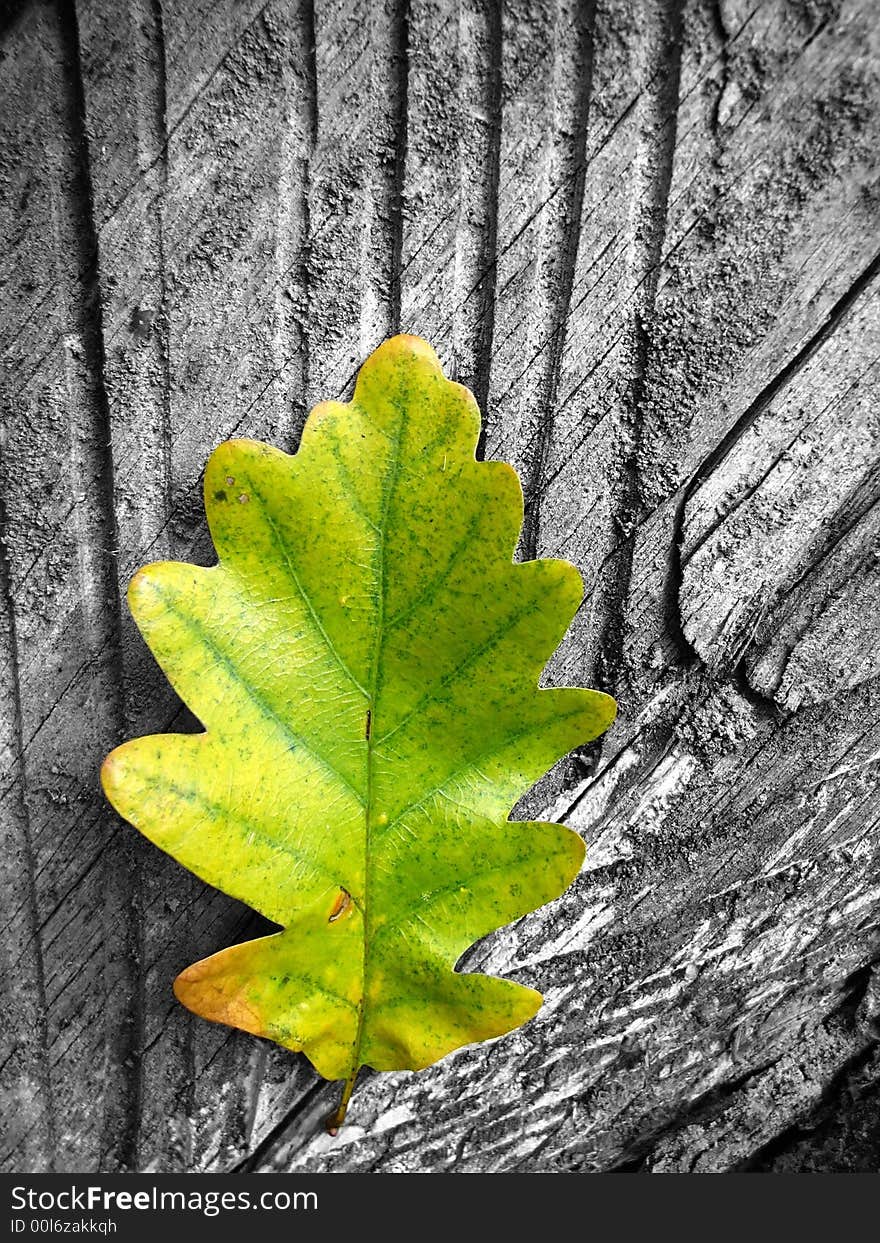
[336, 1119]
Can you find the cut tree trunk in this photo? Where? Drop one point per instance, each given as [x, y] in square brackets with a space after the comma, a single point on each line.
[646, 235]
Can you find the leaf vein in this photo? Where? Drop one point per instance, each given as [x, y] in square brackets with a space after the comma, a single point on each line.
[428, 899]
[285, 552]
[461, 667]
[470, 765]
[258, 700]
[214, 809]
[437, 582]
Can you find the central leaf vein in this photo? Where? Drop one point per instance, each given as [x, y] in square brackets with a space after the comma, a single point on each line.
[375, 674]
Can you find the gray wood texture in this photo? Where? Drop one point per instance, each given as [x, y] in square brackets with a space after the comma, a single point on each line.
[646, 234]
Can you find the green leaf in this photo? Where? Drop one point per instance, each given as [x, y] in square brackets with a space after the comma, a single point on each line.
[365, 659]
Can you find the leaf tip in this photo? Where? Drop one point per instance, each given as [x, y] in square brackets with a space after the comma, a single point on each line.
[215, 989]
[320, 414]
[143, 584]
[110, 773]
[406, 343]
[530, 1003]
[137, 585]
[578, 853]
[184, 982]
[607, 706]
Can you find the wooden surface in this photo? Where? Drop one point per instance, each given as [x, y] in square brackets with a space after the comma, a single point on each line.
[646, 234]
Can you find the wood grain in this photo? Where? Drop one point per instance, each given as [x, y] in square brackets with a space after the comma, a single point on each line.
[647, 238]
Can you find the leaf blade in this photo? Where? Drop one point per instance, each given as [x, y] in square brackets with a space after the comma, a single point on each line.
[365, 658]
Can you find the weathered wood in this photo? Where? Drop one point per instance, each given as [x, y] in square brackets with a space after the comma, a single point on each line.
[197, 228]
[741, 549]
[647, 239]
[60, 544]
[26, 1098]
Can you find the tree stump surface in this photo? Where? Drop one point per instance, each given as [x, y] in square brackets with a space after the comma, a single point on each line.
[646, 235]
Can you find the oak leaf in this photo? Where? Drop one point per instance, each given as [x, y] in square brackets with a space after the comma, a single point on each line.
[365, 659]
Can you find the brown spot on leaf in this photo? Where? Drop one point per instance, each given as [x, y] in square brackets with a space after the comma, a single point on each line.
[243, 498]
[341, 906]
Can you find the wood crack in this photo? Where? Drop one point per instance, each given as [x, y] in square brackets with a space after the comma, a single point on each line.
[255, 1160]
[486, 286]
[567, 240]
[28, 971]
[630, 505]
[399, 37]
[718, 454]
[92, 468]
